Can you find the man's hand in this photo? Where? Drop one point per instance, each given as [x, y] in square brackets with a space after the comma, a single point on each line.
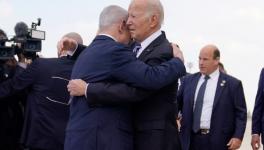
[234, 144]
[21, 58]
[255, 142]
[67, 44]
[178, 121]
[77, 87]
[177, 52]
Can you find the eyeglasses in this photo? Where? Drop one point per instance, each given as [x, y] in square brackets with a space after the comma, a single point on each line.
[56, 101]
[63, 103]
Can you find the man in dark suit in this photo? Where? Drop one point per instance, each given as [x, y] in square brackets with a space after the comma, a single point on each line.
[257, 121]
[11, 107]
[213, 107]
[47, 110]
[154, 117]
[109, 127]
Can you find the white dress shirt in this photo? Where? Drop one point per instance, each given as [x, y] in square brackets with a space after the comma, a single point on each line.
[209, 97]
[147, 41]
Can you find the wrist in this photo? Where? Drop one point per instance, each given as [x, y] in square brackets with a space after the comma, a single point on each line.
[86, 88]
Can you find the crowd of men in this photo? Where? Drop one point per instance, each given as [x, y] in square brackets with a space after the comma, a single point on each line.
[121, 93]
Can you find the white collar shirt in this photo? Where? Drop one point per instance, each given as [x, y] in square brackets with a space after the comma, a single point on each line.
[144, 44]
[209, 97]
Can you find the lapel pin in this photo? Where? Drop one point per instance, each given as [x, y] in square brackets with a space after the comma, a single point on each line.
[147, 50]
[223, 83]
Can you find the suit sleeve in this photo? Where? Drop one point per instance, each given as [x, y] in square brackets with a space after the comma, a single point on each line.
[138, 74]
[240, 111]
[20, 81]
[114, 93]
[258, 108]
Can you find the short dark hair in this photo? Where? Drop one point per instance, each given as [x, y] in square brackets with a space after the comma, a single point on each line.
[216, 53]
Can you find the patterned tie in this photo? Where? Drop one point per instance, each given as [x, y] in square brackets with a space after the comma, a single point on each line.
[199, 105]
[136, 48]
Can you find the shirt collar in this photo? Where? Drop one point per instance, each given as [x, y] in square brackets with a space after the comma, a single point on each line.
[214, 75]
[108, 35]
[151, 38]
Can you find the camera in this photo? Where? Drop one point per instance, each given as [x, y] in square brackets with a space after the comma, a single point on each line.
[26, 41]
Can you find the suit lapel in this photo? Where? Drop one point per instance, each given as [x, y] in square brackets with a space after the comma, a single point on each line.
[221, 84]
[152, 46]
[193, 88]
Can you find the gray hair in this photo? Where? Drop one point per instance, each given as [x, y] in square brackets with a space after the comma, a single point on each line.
[111, 15]
[154, 7]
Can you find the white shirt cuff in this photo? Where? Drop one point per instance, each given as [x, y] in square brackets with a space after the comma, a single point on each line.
[70, 53]
[86, 90]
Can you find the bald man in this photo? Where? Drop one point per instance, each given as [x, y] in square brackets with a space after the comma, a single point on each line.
[47, 110]
[213, 107]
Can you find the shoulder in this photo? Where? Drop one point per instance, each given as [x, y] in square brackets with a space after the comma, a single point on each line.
[41, 62]
[121, 49]
[231, 80]
[262, 72]
[164, 47]
[190, 78]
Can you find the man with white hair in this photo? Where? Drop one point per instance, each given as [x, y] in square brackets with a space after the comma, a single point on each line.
[108, 58]
[155, 124]
[154, 116]
[47, 109]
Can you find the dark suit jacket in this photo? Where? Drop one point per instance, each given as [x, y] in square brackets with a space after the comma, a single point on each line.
[110, 127]
[45, 120]
[257, 118]
[154, 111]
[229, 115]
[11, 113]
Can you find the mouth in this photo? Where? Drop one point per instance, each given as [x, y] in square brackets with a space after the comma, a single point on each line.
[131, 30]
[201, 68]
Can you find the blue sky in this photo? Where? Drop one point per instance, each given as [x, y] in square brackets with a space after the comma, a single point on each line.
[235, 26]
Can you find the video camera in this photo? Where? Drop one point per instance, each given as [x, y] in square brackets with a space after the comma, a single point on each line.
[26, 41]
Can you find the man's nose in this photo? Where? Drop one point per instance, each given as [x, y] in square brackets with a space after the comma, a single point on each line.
[128, 21]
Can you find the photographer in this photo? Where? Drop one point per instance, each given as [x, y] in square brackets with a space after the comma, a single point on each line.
[11, 107]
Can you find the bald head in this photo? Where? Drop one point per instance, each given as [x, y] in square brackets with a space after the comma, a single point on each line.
[209, 59]
[213, 50]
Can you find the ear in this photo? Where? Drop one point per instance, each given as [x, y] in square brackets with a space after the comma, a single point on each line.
[217, 60]
[122, 26]
[154, 21]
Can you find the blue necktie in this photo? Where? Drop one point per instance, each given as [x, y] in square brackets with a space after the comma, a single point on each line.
[199, 105]
[136, 48]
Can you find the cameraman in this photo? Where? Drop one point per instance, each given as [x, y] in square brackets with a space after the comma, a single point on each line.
[47, 110]
[11, 108]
